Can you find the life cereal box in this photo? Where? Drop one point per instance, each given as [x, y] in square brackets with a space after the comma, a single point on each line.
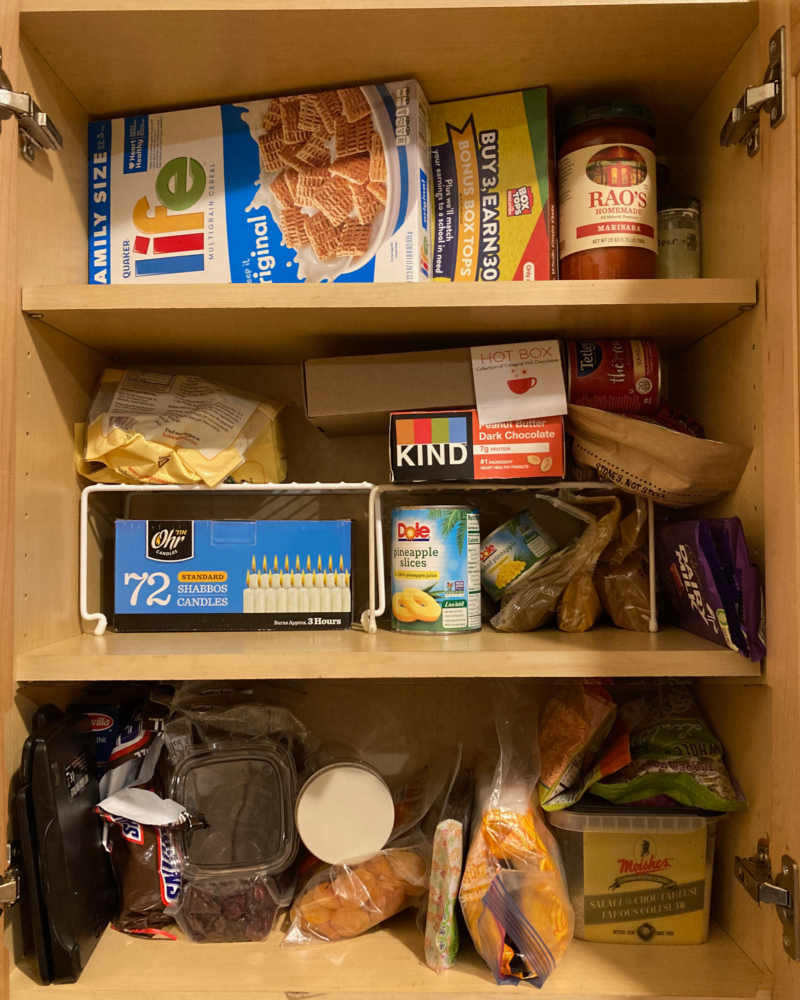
[493, 184]
[318, 187]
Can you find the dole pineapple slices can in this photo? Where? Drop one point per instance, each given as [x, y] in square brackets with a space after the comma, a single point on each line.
[436, 579]
[512, 552]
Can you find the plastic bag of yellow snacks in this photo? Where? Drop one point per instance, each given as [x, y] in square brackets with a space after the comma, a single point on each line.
[513, 892]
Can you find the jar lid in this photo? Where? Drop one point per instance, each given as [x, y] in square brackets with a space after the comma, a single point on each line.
[245, 792]
[586, 113]
[682, 203]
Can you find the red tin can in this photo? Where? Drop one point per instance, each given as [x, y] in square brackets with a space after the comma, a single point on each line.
[620, 376]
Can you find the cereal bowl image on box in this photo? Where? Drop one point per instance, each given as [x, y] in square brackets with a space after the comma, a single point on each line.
[331, 186]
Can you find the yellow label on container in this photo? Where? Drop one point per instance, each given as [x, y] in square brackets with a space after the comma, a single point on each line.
[491, 192]
[643, 888]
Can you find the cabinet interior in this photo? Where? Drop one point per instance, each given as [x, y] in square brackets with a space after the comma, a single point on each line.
[172, 62]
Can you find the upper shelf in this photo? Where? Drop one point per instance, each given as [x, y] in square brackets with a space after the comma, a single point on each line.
[284, 324]
[122, 56]
[600, 652]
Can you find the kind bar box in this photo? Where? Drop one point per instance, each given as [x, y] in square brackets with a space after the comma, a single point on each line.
[318, 187]
[211, 576]
[431, 446]
[494, 210]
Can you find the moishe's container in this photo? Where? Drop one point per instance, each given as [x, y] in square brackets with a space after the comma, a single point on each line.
[679, 238]
[436, 579]
[607, 222]
[636, 875]
[511, 552]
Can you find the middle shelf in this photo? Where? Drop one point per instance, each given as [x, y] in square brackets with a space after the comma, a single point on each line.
[600, 652]
[285, 324]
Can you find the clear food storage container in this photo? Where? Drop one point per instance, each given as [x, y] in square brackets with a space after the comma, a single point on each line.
[635, 875]
[234, 869]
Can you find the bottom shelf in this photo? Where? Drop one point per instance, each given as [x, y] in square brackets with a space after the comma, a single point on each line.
[388, 962]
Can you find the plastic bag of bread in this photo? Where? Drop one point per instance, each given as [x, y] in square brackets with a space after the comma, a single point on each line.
[343, 901]
[624, 591]
[673, 468]
[631, 535]
[531, 604]
[513, 893]
[154, 427]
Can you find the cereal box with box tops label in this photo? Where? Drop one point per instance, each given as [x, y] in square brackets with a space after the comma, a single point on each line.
[316, 187]
[494, 206]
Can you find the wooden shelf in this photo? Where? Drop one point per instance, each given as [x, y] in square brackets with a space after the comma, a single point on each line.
[388, 962]
[246, 48]
[288, 323]
[601, 652]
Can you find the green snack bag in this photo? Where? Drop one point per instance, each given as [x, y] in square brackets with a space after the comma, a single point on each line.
[673, 752]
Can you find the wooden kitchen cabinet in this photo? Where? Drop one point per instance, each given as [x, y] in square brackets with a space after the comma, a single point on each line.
[731, 339]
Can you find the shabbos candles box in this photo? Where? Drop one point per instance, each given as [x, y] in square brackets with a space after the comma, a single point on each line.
[212, 576]
[307, 188]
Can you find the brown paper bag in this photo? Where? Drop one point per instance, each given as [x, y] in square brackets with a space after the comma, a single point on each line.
[674, 469]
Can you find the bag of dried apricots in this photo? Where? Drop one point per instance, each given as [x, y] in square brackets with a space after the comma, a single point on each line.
[343, 901]
[513, 893]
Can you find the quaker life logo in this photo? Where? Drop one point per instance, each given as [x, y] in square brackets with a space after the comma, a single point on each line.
[170, 541]
[431, 447]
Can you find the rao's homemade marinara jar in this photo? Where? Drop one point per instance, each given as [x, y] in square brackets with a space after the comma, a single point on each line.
[607, 218]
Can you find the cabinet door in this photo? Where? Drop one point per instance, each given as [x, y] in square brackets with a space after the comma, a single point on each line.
[781, 361]
[9, 310]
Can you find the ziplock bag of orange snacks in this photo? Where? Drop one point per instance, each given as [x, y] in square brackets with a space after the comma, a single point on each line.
[513, 893]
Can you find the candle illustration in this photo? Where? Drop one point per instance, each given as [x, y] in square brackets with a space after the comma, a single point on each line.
[249, 595]
[336, 595]
[326, 594]
[347, 603]
[282, 595]
[293, 597]
[262, 598]
[274, 589]
[319, 587]
[343, 584]
[313, 594]
[305, 594]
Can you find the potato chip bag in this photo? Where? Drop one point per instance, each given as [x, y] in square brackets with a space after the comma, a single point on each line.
[167, 429]
[513, 894]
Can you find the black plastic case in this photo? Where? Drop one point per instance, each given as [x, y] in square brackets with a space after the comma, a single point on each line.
[68, 875]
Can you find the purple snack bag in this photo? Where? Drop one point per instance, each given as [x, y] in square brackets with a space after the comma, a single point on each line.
[693, 582]
[729, 538]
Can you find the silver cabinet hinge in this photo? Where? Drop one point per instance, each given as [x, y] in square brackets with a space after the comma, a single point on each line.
[10, 885]
[783, 891]
[36, 129]
[744, 121]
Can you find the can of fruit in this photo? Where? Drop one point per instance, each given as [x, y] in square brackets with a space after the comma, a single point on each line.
[621, 376]
[512, 552]
[436, 579]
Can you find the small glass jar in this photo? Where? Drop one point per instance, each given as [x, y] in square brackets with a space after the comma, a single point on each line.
[679, 238]
[607, 193]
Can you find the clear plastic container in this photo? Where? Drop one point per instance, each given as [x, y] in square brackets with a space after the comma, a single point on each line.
[679, 238]
[635, 875]
[235, 870]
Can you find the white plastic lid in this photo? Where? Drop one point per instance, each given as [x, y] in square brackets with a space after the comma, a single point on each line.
[344, 811]
[639, 821]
